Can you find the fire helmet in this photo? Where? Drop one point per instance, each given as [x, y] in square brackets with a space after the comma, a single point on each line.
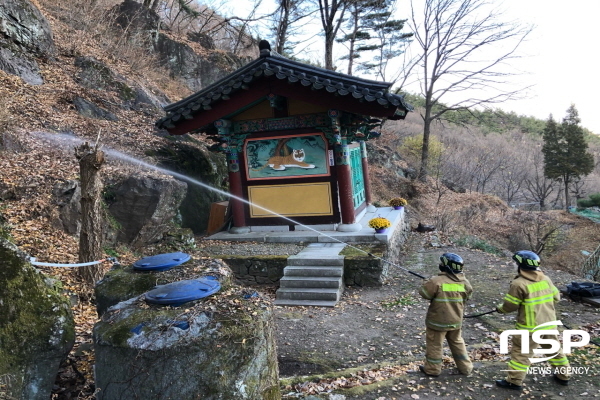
[451, 261]
[527, 260]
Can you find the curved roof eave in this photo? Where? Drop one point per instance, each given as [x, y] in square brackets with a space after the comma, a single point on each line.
[295, 73]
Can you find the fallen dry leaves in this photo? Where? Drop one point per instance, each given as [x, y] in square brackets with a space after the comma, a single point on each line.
[359, 378]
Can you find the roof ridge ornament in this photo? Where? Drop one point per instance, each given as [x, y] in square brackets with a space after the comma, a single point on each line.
[265, 48]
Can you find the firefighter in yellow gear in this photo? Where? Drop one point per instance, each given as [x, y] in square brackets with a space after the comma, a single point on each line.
[532, 294]
[447, 293]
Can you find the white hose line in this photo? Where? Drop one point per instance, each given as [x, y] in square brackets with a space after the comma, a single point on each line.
[43, 264]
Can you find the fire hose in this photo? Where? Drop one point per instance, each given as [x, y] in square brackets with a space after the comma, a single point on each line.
[395, 265]
[480, 314]
[493, 311]
[85, 264]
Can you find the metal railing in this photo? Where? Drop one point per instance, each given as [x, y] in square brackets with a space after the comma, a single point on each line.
[591, 267]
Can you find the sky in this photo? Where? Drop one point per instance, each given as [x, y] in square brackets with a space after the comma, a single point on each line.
[559, 58]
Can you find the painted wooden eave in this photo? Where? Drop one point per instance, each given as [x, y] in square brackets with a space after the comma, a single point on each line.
[264, 76]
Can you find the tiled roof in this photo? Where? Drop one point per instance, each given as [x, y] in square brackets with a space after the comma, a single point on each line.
[268, 65]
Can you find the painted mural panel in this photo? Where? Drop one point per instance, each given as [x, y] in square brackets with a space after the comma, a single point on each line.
[286, 157]
[295, 200]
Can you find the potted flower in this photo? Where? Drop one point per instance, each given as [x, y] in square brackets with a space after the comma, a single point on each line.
[398, 203]
[380, 224]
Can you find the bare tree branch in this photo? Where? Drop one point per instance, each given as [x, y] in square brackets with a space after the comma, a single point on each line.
[464, 51]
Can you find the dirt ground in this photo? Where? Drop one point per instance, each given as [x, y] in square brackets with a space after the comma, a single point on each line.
[370, 345]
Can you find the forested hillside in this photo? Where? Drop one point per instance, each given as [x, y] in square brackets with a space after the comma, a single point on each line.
[496, 152]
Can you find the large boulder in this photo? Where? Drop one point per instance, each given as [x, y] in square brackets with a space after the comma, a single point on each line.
[24, 35]
[136, 19]
[90, 110]
[141, 26]
[122, 282]
[37, 330]
[67, 196]
[208, 169]
[197, 71]
[144, 208]
[94, 74]
[387, 158]
[216, 348]
[20, 64]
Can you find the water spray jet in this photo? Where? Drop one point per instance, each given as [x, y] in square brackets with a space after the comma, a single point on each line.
[64, 140]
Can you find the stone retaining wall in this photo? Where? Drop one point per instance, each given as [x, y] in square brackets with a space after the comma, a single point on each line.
[359, 268]
[256, 269]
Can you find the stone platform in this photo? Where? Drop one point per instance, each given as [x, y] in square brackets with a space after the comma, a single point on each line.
[322, 233]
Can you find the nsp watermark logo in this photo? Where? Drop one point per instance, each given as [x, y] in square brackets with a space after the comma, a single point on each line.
[537, 337]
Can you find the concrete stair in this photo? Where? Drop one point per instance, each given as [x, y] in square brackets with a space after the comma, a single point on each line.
[313, 277]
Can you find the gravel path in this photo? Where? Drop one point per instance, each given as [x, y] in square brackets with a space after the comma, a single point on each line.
[372, 329]
[219, 247]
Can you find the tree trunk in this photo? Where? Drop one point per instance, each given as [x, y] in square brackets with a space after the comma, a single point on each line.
[282, 27]
[566, 180]
[329, 38]
[90, 238]
[423, 171]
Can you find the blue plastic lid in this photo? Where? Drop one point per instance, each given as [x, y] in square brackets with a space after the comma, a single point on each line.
[176, 293]
[161, 262]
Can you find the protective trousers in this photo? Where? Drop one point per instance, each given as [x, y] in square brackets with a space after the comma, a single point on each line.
[434, 352]
[519, 362]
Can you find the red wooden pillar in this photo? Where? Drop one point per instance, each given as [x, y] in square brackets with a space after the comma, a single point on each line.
[235, 188]
[344, 178]
[366, 177]
[236, 200]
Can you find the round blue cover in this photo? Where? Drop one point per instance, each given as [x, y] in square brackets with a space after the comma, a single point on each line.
[176, 293]
[161, 262]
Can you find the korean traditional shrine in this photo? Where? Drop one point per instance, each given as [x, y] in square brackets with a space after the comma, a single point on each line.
[294, 137]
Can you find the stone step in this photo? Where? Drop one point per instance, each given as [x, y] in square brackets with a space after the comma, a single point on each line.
[313, 270]
[325, 260]
[310, 282]
[308, 294]
[305, 303]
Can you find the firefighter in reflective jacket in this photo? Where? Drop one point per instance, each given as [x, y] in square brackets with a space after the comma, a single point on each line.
[447, 292]
[532, 294]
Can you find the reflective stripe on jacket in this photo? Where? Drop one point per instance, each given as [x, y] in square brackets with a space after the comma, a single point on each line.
[532, 294]
[447, 293]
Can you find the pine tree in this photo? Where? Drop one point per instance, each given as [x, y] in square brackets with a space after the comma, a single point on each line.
[565, 151]
[370, 28]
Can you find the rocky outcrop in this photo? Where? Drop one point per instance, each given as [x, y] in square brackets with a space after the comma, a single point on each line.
[141, 27]
[37, 330]
[195, 70]
[144, 208]
[20, 64]
[90, 110]
[94, 74]
[24, 35]
[387, 158]
[67, 196]
[205, 40]
[136, 20]
[207, 168]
